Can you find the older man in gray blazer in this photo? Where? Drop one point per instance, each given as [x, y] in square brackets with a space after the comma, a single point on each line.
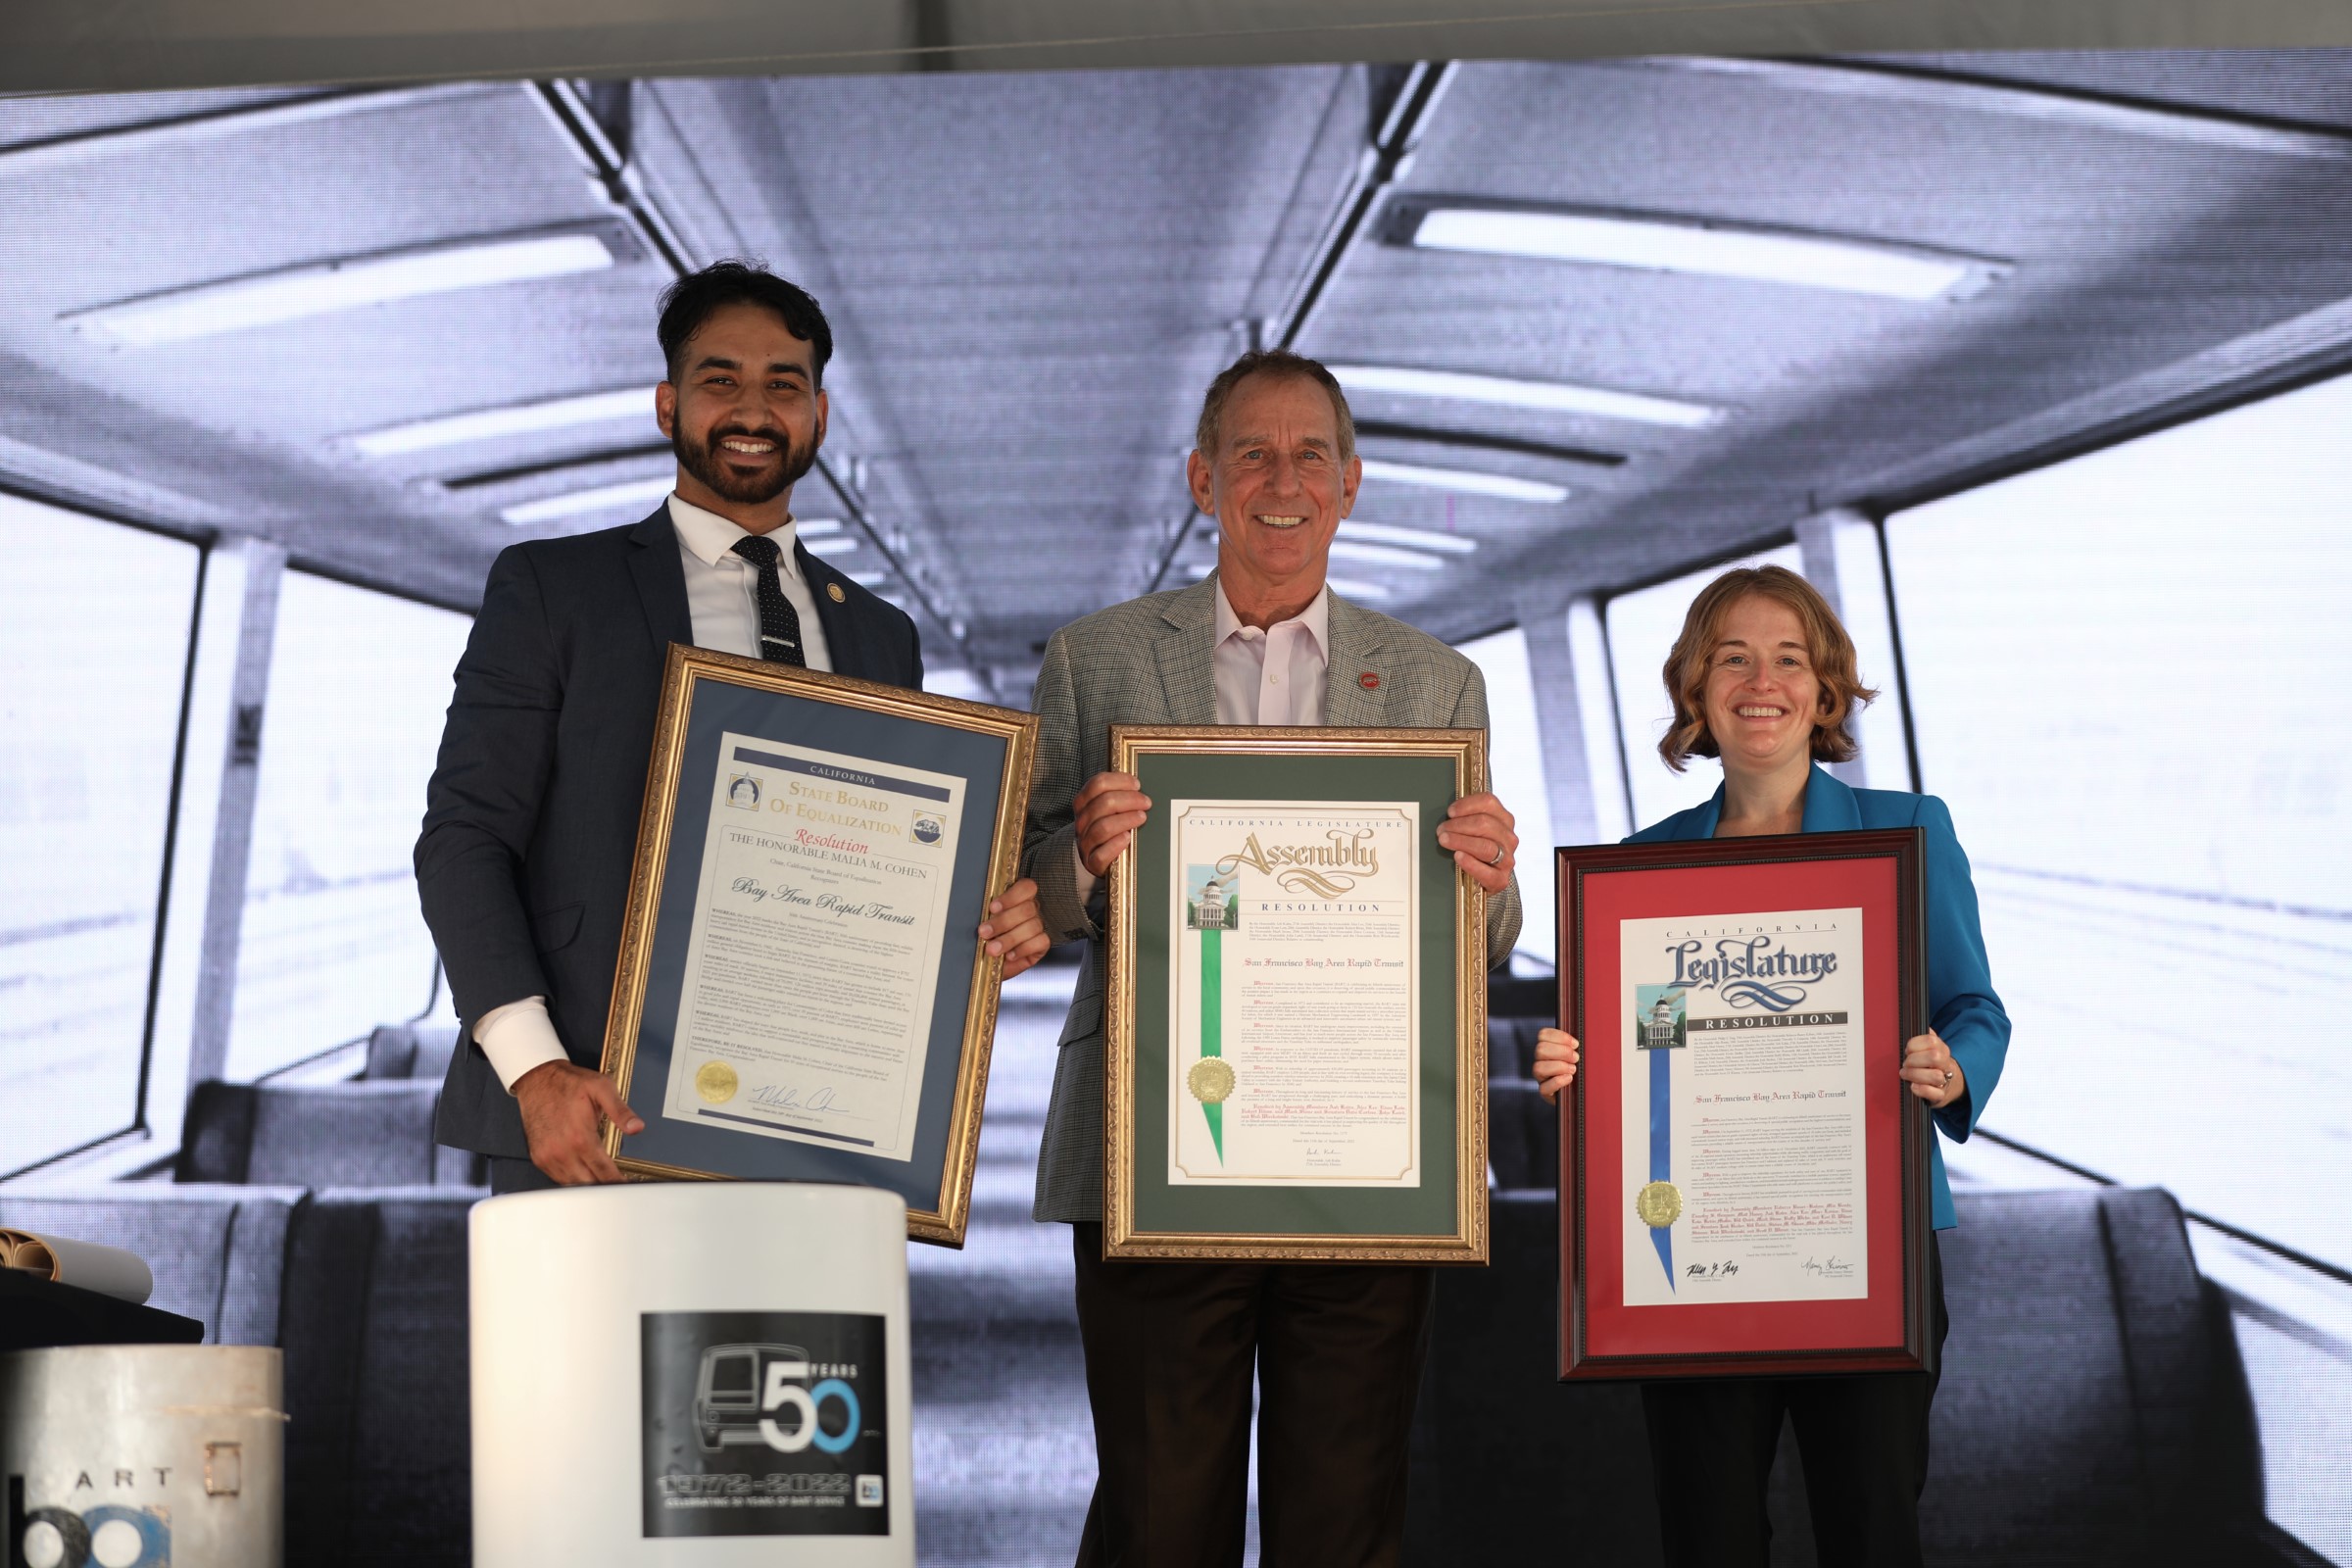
[1172, 1347]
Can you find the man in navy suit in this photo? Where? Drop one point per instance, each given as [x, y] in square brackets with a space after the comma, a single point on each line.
[531, 818]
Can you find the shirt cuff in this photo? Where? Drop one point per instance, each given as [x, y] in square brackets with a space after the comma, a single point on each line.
[517, 1038]
[1081, 878]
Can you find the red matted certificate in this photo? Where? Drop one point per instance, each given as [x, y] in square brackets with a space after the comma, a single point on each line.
[1743, 1170]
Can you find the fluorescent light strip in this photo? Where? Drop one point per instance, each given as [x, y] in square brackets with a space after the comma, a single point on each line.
[816, 528]
[1465, 481]
[867, 579]
[1452, 543]
[1652, 245]
[213, 309]
[1385, 556]
[832, 544]
[1550, 397]
[604, 498]
[515, 419]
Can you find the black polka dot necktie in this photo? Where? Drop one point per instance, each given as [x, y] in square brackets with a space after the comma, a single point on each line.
[779, 622]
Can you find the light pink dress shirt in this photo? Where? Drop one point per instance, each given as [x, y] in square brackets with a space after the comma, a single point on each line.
[1275, 676]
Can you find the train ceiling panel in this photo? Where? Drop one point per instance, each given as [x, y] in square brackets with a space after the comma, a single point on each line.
[1607, 318]
[1030, 288]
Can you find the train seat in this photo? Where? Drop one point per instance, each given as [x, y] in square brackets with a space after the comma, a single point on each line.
[411, 1050]
[377, 1455]
[1523, 1133]
[2093, 1405]
[2093, 1408]
[1511, 1046]
[361, 1134]
[1523, 1136]
[218, 1252]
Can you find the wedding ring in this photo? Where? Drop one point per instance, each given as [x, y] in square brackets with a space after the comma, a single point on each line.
[1498, 861]
[1948, 1075]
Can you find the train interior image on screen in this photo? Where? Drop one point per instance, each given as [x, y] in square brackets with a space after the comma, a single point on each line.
[2036, 367]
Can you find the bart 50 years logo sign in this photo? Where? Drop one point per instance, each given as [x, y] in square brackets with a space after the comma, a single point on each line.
[764, 1424]
[109, 1535]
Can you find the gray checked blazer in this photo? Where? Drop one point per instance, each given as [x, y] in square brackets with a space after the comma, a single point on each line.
[1150, 662]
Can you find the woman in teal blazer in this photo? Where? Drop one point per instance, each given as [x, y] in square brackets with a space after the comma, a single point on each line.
[1763, 677]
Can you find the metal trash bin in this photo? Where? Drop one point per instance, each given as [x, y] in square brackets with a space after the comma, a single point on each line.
[141, 1455]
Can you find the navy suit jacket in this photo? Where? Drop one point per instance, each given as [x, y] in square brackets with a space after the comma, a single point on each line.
[530, 823]
[1961, 1004]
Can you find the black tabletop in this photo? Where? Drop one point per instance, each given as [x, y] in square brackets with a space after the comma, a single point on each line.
[38, 1314]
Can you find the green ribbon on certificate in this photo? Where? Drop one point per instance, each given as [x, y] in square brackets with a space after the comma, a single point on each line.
[1212, 1077]
[1212, 1027]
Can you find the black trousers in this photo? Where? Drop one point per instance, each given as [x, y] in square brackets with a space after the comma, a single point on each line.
[1863, 1437]
[1170, 1351]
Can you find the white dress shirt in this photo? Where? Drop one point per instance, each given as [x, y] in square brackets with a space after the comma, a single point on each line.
[1280, 675]
[722, 602]
[723, 589]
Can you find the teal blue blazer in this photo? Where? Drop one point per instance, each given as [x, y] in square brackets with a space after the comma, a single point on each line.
[1961, 1002]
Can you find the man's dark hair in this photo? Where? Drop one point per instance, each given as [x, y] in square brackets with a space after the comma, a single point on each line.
[691, 301]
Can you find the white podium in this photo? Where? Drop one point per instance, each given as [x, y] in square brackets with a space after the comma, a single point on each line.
[710, 1373]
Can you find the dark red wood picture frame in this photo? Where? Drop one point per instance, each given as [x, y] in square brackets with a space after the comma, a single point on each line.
[1601, 1337]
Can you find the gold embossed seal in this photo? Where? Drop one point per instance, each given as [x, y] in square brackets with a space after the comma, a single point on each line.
[1210, 1080]
[1659, 1205]
[715, 1082]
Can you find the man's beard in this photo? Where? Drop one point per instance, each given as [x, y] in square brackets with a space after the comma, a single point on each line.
[705, 463]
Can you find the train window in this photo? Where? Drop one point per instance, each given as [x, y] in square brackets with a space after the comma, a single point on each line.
[1641, 627]
[2121, 679]
[332, 943]
[1515, 768]
[94, 622]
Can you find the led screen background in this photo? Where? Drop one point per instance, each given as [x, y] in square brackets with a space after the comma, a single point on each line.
[393, 331]
[2034, 362]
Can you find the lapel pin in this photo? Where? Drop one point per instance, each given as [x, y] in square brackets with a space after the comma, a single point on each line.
[1368, 682]
[834, 593]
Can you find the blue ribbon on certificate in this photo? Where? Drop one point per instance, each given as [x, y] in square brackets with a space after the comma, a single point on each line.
[1661, 1147]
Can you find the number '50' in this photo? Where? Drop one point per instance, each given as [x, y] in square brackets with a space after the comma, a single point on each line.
[781, 1393]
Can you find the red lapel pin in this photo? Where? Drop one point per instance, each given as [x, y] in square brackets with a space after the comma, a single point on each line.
[1368, 682]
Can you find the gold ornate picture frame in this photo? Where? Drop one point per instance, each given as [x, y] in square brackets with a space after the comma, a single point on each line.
[1232, 1128]
[801, 993]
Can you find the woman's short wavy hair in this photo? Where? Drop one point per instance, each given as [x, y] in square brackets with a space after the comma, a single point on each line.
[1827, 646]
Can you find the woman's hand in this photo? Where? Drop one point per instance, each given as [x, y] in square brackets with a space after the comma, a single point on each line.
[1931, 1071]
[1555, 1061]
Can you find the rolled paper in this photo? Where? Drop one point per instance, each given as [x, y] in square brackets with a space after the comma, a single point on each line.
[87, 1265]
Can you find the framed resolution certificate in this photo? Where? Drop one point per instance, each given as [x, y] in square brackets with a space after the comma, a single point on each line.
[801, 993]
[1296, 1013]
[1743, 1170]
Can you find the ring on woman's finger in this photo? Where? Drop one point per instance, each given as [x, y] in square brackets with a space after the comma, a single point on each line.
[1948, 1075]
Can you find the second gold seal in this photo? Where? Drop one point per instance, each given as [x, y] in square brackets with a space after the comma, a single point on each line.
[1210, 1080]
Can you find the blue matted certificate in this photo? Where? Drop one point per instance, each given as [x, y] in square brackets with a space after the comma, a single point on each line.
[802, 995]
